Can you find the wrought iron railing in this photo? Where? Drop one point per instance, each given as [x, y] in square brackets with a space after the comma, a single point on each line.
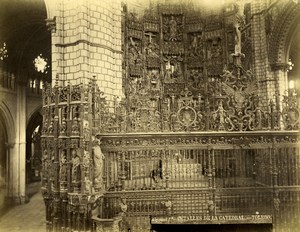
[115, 159]
[236, 201]
[183, 112]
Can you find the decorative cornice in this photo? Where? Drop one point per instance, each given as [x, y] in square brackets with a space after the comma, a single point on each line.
[88, 43]
[9, 145]
[279, 66]
[195, 140]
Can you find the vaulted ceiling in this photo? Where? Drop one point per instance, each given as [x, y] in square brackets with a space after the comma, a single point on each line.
[23, 30]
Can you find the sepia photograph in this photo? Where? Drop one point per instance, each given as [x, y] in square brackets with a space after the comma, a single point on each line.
[149, 115]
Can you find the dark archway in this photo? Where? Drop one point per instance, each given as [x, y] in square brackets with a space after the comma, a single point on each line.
[25, 34]
[3, 161]
[33, 147]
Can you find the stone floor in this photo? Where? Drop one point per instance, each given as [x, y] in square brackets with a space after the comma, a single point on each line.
[28, 217]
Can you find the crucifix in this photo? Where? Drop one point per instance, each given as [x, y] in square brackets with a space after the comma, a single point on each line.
[150, 35]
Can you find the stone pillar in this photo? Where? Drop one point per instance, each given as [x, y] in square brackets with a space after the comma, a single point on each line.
[9, 185]
[272, 79]
[86, 44]
[260, 53]
[281, 84]
[16, 154]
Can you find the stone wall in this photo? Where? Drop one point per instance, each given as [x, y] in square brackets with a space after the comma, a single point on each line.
[17, 104]
[260, 53]
[271, 23]
[86, 44]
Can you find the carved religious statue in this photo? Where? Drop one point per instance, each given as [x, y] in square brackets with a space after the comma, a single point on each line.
[237, 24]
[76, 171]
[45, 164]
[237, 39]
[219, 116]
[134, 55]
[211, 207]
[98, 158]
[123, 207]
[168, 205]
[173, 29]
[196, 45]
[63, 166]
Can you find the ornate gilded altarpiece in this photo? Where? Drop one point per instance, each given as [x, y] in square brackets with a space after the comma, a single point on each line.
[190, 138]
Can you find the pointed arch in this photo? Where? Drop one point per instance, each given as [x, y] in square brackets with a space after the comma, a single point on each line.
[7, 119]
[50, 7]
[285, 26]
[35, 119]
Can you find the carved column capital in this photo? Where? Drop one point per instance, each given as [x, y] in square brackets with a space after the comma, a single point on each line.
[279, 66]
[9, 145]
[51, 24]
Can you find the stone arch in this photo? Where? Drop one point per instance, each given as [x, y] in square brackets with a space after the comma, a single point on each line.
[49, 4]
[8, 121]
[34, 114]
[7, 137]
[284, 27]
[294, 29]
[35, 120]
[51, 10]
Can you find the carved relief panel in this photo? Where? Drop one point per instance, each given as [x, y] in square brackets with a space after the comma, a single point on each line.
[172, 28]
[170, 48]
[174, 50]
[214, 56]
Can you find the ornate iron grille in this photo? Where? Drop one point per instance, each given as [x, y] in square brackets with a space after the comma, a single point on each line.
[191, 137]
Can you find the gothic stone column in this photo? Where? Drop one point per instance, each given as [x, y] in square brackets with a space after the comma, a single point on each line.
[16, 154]
[86, 44]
